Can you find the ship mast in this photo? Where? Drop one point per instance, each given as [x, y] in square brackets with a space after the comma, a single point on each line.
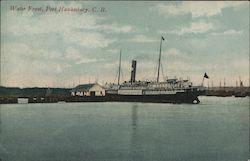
[119, 72]
[159, 63]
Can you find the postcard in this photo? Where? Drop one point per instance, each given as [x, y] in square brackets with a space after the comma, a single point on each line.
[124, 81]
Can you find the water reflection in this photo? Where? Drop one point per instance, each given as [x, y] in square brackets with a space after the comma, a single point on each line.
[134, 122]
[0, 120]
[134, 116]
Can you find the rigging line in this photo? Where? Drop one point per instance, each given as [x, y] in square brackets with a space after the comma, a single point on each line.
[162, 72]
[116, 75]
[159, 65]
[155, 69]
[122, 75]
[119, 72]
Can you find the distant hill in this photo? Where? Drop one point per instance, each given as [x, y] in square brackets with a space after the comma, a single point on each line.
[31, 92]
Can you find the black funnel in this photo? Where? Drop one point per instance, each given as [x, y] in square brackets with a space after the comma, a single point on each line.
[133, 72]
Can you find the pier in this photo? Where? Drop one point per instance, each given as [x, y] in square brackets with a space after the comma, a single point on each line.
[41, 95]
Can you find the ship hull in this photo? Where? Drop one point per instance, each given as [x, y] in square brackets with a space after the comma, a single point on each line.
[182, 97]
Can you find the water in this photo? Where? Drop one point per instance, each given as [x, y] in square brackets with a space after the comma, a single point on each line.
[215, 130]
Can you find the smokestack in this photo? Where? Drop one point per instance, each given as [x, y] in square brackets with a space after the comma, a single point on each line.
[133, 72]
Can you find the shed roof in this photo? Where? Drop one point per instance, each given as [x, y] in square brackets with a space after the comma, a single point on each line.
[83, 87]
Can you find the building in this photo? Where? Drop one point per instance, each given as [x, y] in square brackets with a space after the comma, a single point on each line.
[88, 90]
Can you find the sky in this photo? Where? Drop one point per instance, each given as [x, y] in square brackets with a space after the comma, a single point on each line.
[43, 46]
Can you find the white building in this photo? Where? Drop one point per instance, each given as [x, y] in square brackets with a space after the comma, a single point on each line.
[88, 90]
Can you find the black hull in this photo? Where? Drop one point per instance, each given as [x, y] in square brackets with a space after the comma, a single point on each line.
[164, 98]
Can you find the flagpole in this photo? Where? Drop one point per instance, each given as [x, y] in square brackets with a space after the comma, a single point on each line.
[202, 81]
[119, 72]
[205, 76]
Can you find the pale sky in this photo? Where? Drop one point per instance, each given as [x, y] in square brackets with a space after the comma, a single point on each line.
[62, 49]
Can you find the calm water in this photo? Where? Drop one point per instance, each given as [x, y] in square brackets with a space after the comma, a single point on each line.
[215, 130]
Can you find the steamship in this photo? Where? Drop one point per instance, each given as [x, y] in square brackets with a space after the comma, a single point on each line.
[167, 91]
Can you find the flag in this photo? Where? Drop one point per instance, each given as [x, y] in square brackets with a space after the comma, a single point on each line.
[162, 38]
[206, 76]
